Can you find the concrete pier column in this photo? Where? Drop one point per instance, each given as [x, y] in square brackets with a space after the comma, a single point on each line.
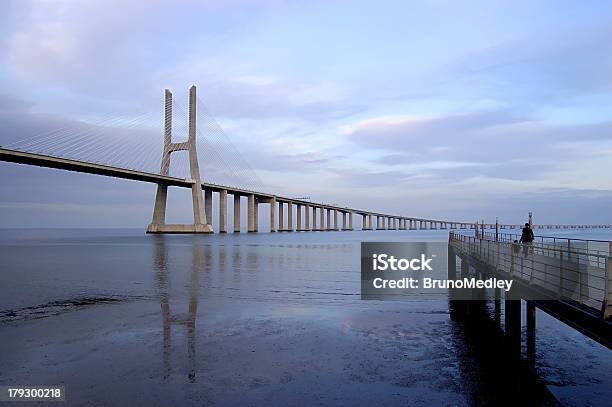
[273, 214]
[314, 218]
[208, 205]
[322, 217]
[307, 217]
[531, 332]
[363, 222]
[290, 216]
[236, 213]
[251, 213]
[350, 216]
[298, 210]
[370, 222]
[512, 324]
[281, 216]
[222, 211]
[336, 219]
[328, 218]
[256, 215]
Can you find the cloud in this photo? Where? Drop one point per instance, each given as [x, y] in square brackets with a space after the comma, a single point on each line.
[400, 131]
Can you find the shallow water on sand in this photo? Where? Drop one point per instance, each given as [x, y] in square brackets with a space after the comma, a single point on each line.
[119, 317]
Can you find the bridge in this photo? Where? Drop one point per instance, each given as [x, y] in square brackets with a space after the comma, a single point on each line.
[309, 216]
[569, 279]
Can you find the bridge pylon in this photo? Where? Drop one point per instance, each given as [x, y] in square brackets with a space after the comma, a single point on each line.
[200, 223]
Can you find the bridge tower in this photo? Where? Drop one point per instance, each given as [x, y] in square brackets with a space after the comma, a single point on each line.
[200, 223]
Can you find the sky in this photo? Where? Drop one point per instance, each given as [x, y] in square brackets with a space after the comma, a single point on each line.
[440, 109]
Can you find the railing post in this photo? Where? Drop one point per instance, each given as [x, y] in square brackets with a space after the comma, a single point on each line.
[496, 229]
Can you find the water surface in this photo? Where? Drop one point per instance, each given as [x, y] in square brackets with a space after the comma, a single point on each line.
[120, 317]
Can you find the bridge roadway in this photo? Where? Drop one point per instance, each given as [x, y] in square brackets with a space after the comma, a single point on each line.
[383, 221]
[570, 282]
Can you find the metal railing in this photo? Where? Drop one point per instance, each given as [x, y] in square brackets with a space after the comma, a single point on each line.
[568, 268]
[592, 246]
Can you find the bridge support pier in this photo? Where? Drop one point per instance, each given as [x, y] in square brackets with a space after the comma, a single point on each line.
[208, 204]
[322, 215]
[298, 210]
[223, 211]
[200, 217]
[272, 214]
[281, 217]
[307, 218]
[289, 216]
[236, 213]
[256, 215]
[336, 225]
[531, 332]
[512, 324]
[314, 218]
[251, 213]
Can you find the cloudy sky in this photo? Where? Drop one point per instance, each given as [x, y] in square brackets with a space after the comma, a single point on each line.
[445, 109]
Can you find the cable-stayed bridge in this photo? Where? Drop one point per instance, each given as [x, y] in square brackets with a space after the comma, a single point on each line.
[206, 162]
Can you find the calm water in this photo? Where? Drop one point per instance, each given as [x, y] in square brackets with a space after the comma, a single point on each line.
[120, 317]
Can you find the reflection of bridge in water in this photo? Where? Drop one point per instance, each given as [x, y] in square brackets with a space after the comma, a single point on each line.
[570, 279]
[185, 319]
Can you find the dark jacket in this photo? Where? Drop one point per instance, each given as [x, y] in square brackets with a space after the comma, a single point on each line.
[527, 235]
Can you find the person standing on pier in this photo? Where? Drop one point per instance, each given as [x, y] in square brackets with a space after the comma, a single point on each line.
[526, 238]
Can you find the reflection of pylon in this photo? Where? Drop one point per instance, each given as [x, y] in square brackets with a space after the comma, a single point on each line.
[168, 319]
[200, 224]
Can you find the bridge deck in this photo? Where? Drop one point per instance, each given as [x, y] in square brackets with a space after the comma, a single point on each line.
[42, 160]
